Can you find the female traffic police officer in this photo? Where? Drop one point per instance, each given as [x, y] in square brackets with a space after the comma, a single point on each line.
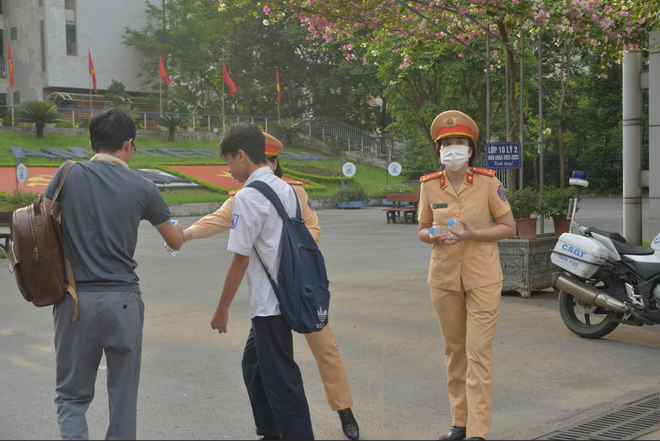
[464, 272]
[322, 343]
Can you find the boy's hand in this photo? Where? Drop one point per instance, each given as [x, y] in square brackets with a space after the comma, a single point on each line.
[219, 321]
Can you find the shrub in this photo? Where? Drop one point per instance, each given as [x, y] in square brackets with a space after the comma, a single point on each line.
[15, 200]
[313, 169]
[64, 124]
[395, 189]
[287, 128]
[84, 123]
[419, 160]
[38, 113]
[524, 203]
[555, 201]
[171, 122]
[350, 194]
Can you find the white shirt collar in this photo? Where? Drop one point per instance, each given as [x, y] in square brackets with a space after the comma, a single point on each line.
[261, 171]
[110, 159]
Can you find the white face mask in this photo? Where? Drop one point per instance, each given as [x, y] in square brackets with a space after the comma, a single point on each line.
[454, 157]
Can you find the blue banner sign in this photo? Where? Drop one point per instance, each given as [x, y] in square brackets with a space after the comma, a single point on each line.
[503, 155]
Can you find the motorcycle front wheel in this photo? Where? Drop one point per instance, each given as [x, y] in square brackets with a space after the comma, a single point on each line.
[586, 320]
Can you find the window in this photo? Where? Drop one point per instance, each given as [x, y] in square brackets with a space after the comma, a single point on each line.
[13, 33]
[17, 98]
[70, 16]
[43, 45]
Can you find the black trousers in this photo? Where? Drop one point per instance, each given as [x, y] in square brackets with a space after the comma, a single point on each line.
[274, 382]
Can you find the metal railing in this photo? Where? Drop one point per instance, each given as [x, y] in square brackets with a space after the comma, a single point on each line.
[344, 135]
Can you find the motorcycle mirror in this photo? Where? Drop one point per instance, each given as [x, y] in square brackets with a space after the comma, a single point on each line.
[578, 179]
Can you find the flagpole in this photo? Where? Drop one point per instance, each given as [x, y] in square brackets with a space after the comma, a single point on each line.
[11, 93]
[223, 107]
[91, 109]
[160, 94]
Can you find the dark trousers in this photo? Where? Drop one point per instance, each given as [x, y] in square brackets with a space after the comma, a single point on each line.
[274, 382]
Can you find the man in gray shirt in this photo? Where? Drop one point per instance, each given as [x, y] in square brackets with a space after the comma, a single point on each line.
[102, 203]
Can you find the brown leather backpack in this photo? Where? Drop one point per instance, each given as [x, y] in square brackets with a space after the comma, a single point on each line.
[36, 253]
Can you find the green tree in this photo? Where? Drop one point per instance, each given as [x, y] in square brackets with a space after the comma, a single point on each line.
[39, 113]
[195, 37]
[171, 122]
[116, 96]
[606, 29]
[419, 160]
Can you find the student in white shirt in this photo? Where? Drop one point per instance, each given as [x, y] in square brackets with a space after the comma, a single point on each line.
[271, 375]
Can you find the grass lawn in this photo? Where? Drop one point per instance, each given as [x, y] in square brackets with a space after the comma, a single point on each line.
[370, 177]
[176, 197]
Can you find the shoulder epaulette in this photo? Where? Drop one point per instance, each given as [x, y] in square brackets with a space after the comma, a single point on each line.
[483, 171]
[431, 176]
[233, 192]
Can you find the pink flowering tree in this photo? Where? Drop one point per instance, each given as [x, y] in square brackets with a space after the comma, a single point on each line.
[415, 30]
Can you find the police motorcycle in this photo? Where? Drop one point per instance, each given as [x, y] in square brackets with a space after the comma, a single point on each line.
[605, 280]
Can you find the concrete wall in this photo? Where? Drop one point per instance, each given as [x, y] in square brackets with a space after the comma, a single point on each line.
[25, 16]
[99, 26]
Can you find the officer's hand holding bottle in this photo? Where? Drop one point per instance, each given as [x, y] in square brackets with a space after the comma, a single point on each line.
[438, 233]
[459, 231]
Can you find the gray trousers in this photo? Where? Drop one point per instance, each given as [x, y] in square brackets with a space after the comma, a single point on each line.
[110, 322]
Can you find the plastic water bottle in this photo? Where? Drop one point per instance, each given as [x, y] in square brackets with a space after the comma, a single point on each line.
[454, 226]
[172, 251]
[437, 230]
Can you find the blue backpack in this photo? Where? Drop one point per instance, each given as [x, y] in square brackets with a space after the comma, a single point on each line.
[302, 282]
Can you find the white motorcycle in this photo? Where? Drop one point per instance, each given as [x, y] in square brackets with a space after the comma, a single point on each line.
[606, 281]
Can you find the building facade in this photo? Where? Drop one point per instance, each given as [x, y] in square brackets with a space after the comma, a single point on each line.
[50, 40]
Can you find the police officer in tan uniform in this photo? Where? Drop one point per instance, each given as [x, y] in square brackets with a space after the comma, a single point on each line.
[322, 343]
[465, 273]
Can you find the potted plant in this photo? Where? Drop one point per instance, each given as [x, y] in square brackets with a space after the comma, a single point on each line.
[351, 197]
[395, 189]
[554, 204]
[524, 204]
[525, 260]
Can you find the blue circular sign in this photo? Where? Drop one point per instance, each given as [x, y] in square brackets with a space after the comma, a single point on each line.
[394, 168]
[348, 169]
[21, 173]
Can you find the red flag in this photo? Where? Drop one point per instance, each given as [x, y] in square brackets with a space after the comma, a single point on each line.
[227, 80]
[92, 72]
[279, 89]
[11, 67]
[163, 72]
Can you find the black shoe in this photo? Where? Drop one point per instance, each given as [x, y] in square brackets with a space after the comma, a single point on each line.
[348, 424]
[455, 434]
[270, 438]
[476, 438]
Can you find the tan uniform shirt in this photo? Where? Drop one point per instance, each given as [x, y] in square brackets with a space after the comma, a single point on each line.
[220, 220]
[480, 199]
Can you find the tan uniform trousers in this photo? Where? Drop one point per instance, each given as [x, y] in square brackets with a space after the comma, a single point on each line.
[333, 374]
[467, 321]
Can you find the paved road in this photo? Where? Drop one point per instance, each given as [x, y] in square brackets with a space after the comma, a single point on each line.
[191, 385]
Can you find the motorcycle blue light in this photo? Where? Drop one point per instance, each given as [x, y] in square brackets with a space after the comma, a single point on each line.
[577, 174]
